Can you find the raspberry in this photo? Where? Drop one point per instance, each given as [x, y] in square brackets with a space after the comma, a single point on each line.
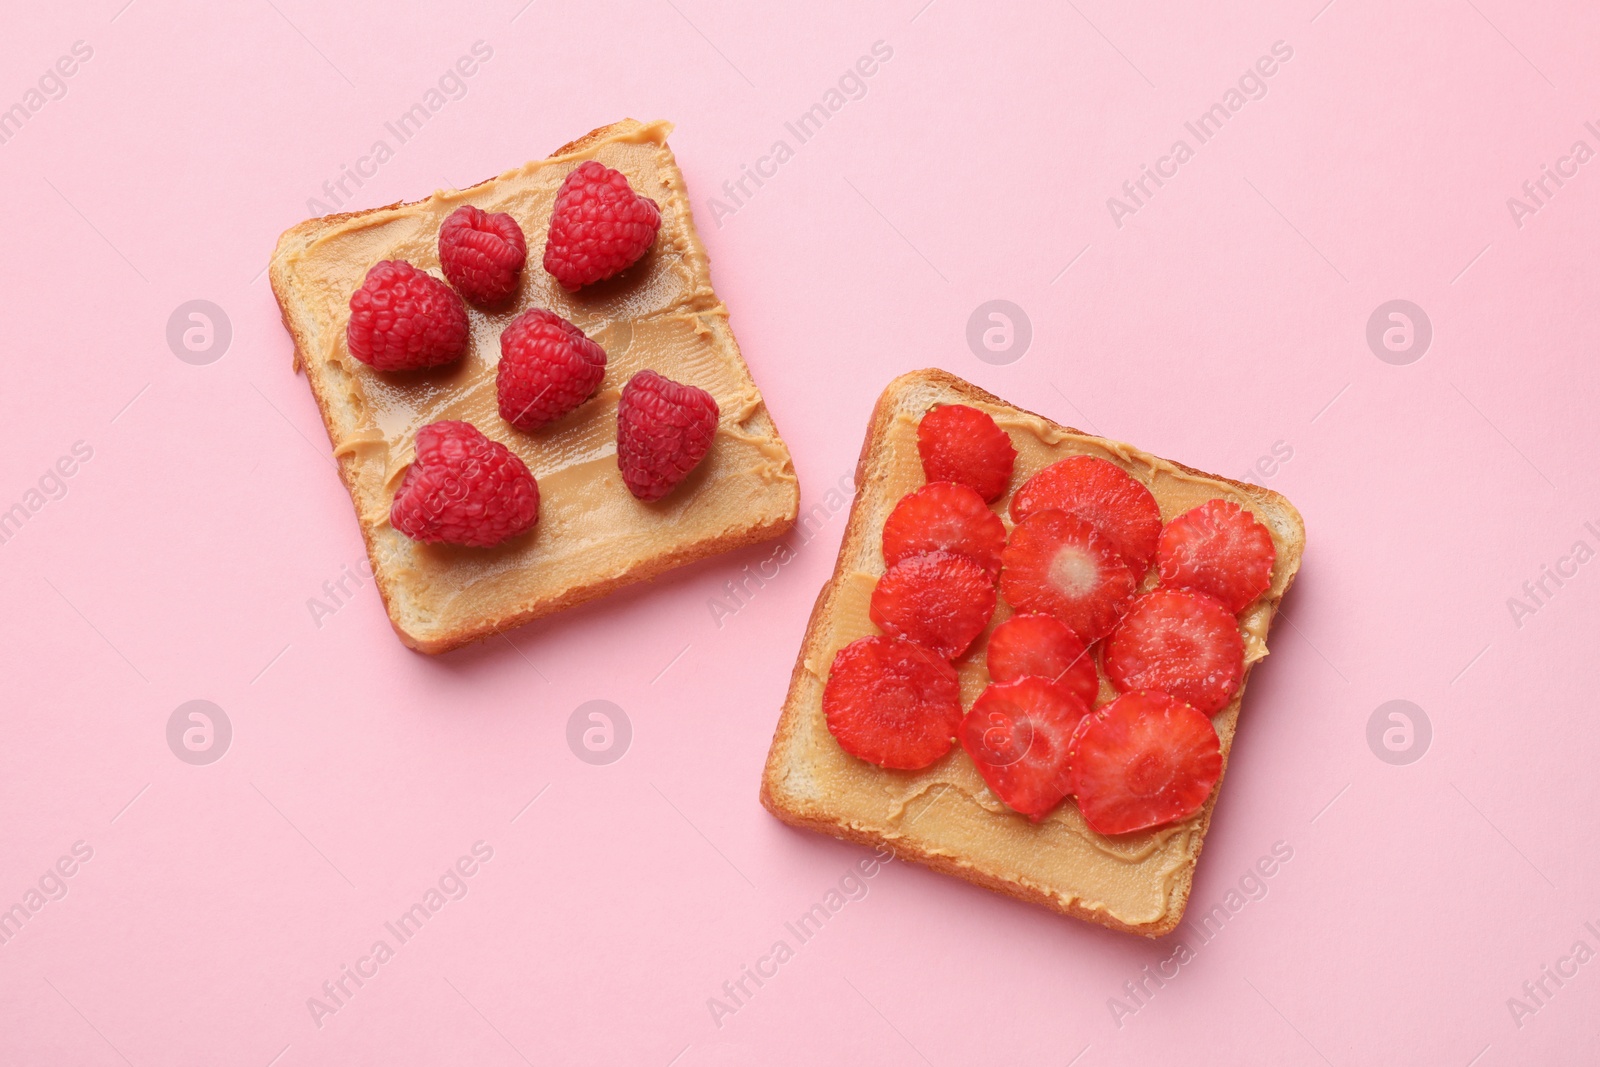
[892, 702]
[1185, 644]
[1218, 549]
[1103, 495]
[939, 600]
[464, 489]
[944, 516]
[963, 444]
[1042, 646]
[664, 429]
[1143, 760]
[600, 226]
[1019, 736]
[482, 254]
[547, 368]
[403, 319]
[1058, 564]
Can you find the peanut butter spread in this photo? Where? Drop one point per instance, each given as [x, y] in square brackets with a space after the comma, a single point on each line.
[947, 809]
[660, 314]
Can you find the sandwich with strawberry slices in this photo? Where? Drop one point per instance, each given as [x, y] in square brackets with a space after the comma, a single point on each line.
[1028, 666]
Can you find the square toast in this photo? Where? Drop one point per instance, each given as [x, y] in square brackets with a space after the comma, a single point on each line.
[592, 537]
[944, 816]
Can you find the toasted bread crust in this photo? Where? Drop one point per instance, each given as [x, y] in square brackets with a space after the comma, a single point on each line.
[305, 233]
[798, 812]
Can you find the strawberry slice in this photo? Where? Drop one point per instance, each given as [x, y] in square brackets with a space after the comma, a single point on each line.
[892, 702]
[1182, 643]
[962, 444]
[944, 517]
[939, 600]
[1042, 646]
[1102, 494]
[1056, 563]
[1018, 734]
[1218, 549]
[1143, 760]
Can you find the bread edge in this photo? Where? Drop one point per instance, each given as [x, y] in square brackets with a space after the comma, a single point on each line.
[796, 813]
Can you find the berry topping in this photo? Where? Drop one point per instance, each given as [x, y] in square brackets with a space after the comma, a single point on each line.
[1218, 549]
[1181, 643]
[464, 489]
[962, 444]
[892, 702]
[403, 319]
[664, 429]
[1058, 564]
[547, 368]
[939, 600]
[1019, 733]
[947, 517]
[1143, 760]
[482, 254]
[600, 226]
[1103, 495]
[1042, 646]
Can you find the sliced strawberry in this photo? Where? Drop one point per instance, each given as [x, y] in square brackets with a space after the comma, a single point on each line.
[1102, 494]
[892, 702]
[1143, 760]
[1018, 734]
[939, 600]
[1182, 643]
[962, 444]
[1042, 646]
[947, 517]
[1218, 549]
[1056, 563]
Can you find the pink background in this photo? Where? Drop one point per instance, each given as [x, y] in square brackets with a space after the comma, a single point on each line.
[1226, 316]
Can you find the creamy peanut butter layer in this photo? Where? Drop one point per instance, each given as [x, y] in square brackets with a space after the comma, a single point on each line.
[592, 534]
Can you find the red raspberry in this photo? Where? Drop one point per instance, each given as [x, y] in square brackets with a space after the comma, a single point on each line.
[1103, 495]
[963, 444]
[1058, 564]
[1019, 736]
[482, 254]
[464, 489]
[939, 600]
[1218, 549]
[1181, 643]
[1042, 646]
[547, 368]
[892, 702]
[600, 226]
[403, 319]
[1143, 760]
[664, 430]
[944, 516]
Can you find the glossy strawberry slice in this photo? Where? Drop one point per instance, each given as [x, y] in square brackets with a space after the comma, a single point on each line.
[948, 517]
[962, 444]
[1182, 643]
[939, 600]
[1143, 760]
[1102, 494]
[1042, 646]
[1056, 563]
[892, 702]
[1218, 549]
[1018, 735]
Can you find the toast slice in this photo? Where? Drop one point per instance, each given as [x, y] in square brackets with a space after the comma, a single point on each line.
[592, 537]
[944, 816]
